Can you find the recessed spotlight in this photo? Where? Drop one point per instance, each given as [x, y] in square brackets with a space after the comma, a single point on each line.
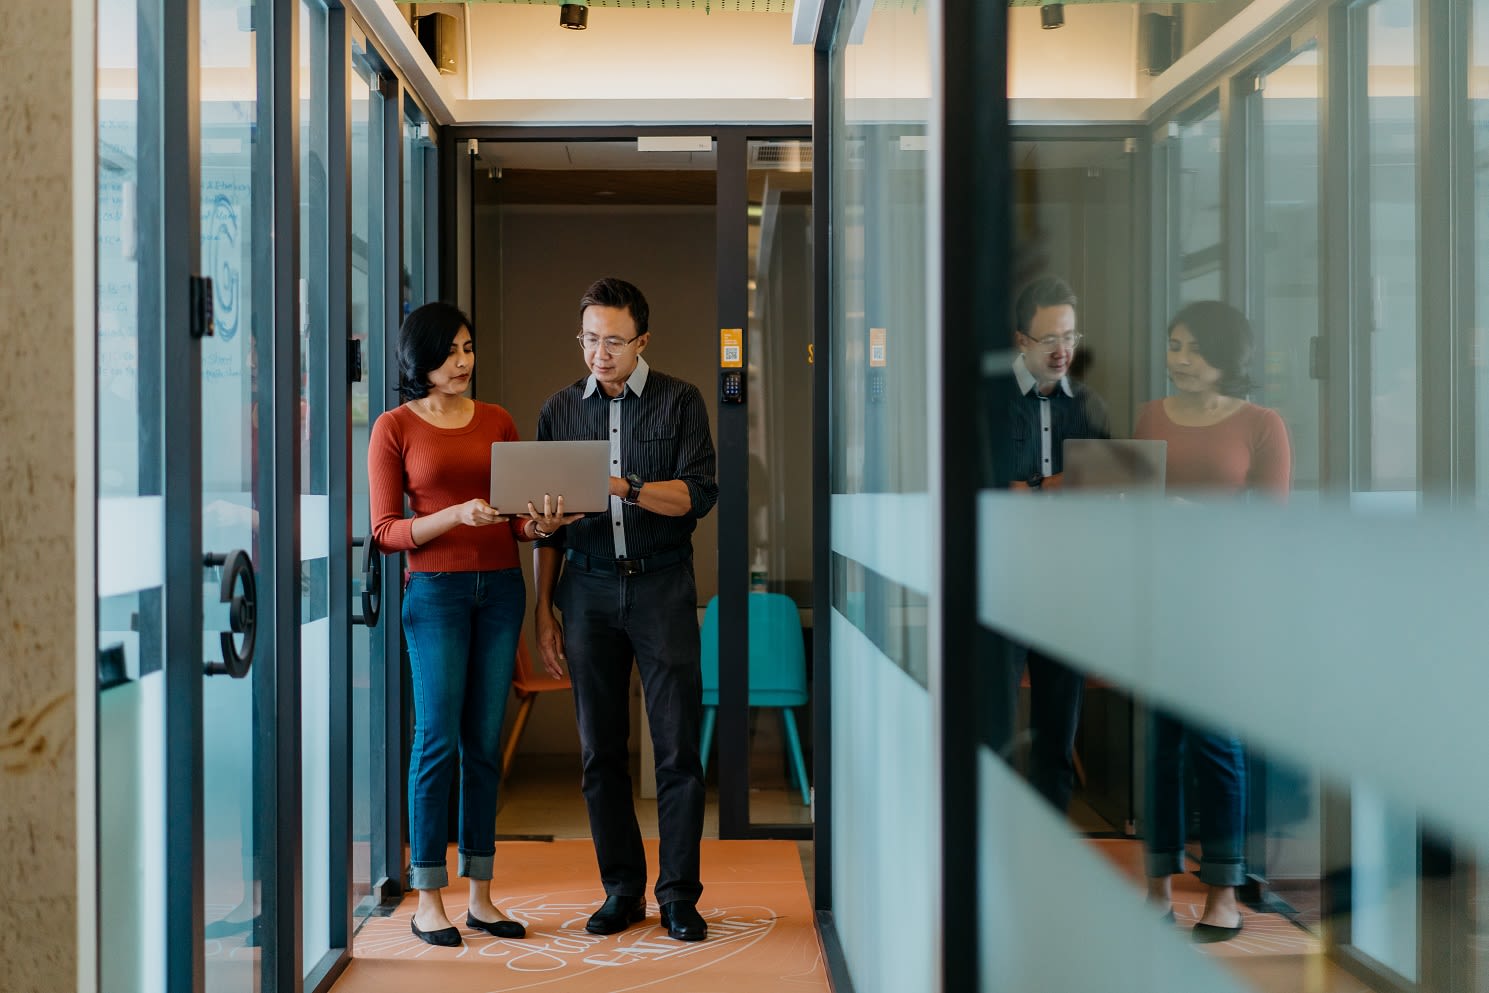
[574, 15]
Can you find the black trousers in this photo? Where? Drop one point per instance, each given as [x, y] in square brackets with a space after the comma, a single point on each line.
[1055, 695]
[653, 618]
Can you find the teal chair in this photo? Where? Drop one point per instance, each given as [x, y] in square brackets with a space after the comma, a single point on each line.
[778, 671]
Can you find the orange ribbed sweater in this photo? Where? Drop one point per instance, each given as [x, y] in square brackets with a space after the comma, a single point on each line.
[438, 468]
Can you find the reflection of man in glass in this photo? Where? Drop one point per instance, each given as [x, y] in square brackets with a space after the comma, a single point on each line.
[1033, 411]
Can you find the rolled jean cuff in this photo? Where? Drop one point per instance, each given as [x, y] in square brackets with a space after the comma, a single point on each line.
[1222, 873]
[428, 877]
[476, 866]
[1160, 864]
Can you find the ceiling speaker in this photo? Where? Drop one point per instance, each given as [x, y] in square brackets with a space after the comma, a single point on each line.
[437, 35]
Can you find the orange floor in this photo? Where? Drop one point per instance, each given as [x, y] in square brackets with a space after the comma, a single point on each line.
[761, 931]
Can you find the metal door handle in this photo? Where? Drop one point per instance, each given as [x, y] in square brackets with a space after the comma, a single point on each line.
[372, 582]
[242, 612]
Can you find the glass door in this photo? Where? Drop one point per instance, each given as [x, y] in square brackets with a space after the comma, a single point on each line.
[131, 518]
[1281, 107]
[779, 391]
[369, 397]
[325, 788]
[236, 454]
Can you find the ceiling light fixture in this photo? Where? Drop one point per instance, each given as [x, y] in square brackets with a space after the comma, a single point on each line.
[1051, 16]
[574, 15]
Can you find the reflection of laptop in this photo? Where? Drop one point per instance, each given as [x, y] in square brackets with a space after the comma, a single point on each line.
[1115, 465]
[579, 471]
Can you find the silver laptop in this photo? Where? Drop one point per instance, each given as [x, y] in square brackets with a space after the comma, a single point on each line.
[1115, 465]
[523, 471]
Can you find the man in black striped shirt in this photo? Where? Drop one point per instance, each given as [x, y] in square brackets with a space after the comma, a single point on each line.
[1034, 410]
[624, 584]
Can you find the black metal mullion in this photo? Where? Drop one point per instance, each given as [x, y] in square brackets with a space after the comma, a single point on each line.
[339, 496]
[1445, 253]
[1359, 370]
[431, 201]
[392, 747]
[169, 217]
[1335, 227]
[976, 227]
[276, 679]
[823, 158]
[732, 263]
[449, 209]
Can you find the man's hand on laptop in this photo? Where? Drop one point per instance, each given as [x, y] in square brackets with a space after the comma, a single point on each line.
[551, 517]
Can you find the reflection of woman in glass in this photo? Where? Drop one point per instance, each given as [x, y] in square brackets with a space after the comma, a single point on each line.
[462, 605]
[1218, 445]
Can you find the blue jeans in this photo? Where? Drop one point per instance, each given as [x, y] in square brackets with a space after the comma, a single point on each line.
[1220, 780]
[462, 630]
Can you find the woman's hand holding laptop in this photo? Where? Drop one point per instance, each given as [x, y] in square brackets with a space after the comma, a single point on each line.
[477, 513]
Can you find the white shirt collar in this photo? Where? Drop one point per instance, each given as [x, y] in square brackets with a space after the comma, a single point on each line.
[636, 383]
[1026, 378]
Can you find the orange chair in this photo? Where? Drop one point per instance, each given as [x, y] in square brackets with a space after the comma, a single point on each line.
[527, 682]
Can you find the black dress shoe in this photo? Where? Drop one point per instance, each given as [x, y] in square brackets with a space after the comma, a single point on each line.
[501, 929]
[445, 937]
[683, 922]
[1209, 934]
[616, 914]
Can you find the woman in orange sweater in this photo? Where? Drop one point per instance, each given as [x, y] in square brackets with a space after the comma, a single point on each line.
[462, 604]
[1219, 446]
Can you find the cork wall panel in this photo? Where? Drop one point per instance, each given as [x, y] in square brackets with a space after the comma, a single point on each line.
[37, 597]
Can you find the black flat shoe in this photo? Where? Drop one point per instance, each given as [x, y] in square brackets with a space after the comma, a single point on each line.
[683, 922]
[445, 937]
[501, 929]
[616, 914]
[1209, 934]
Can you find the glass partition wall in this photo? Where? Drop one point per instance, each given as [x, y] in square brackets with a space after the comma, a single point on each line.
[225, 672]
[1223, 686]
[884, 497]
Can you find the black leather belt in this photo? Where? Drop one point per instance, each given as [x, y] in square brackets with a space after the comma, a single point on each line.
[628, 567]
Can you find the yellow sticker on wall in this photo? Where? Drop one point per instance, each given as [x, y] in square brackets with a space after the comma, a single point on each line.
[731, 348]
[878, 347]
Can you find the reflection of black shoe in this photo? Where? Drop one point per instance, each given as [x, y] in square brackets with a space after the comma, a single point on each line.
[501, 929]
[683, 922]
[445, 937]
[616, 914]
[1209, 934]
[226, 929]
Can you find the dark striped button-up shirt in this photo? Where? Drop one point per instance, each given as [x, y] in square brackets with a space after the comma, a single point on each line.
[657, 429]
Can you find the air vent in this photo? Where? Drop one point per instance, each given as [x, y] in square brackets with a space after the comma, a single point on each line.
[791, 155]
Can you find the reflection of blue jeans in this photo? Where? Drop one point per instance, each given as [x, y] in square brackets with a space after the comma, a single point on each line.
[1220, 781]
[462, 630]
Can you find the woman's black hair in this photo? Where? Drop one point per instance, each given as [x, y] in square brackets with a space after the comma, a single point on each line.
[424, 345]
[1223, 336]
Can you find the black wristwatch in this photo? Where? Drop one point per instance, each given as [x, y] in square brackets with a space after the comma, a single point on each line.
[634, 493]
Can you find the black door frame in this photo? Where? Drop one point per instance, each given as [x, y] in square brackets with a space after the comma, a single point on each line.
[731, 265]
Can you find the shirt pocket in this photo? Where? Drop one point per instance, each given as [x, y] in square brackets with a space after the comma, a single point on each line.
[656, 452]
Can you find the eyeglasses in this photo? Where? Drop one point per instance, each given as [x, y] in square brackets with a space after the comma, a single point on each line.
[612, 346]
[1054, 341]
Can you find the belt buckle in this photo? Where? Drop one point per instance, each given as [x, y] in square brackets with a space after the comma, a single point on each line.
[628, 567]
